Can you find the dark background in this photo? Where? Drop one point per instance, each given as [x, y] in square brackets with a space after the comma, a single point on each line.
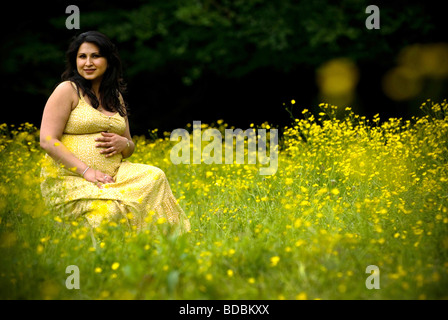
[240, 61]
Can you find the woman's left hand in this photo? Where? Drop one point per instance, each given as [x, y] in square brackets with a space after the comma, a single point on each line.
[111, 143]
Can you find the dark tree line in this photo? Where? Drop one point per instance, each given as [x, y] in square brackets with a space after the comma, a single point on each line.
[210, 59]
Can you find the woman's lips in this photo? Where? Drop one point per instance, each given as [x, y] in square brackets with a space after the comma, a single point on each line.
[89, 70]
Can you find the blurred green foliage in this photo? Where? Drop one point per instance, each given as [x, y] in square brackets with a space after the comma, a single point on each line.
[185, 59]
[233, 38]
[226, 37]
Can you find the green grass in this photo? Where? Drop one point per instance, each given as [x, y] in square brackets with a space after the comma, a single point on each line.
[349, 193]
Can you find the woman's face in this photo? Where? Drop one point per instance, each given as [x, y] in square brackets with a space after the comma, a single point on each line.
[90, 63]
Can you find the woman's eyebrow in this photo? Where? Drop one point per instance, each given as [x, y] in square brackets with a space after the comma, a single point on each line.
[94, 52]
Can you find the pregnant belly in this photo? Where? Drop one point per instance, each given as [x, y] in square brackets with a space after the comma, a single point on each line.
[83, 147]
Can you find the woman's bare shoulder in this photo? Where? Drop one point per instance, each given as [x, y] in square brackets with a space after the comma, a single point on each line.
[66, 87]
[67, 90]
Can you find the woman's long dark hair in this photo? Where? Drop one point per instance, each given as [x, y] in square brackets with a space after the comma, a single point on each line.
[112, 84]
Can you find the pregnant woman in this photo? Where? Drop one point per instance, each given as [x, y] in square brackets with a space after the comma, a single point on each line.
[85, 133]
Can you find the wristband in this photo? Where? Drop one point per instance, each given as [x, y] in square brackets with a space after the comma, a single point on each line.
[85, 171]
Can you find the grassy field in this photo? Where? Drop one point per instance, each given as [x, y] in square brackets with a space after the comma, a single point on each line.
[349, 192]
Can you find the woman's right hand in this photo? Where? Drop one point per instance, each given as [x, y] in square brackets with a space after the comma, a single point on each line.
[97, 177]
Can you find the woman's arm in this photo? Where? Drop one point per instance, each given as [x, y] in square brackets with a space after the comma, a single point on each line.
[129, 150]
[130, 146]
[56, 113]
[55, 116]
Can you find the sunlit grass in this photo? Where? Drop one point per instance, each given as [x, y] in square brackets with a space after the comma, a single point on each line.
[349, 192]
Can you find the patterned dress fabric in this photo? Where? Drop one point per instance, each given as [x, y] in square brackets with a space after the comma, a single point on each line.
[140, 194]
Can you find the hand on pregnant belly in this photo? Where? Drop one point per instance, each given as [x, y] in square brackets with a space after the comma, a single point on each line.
[111, 143]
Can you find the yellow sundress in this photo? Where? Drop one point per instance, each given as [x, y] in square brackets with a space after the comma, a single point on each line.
[140, 194]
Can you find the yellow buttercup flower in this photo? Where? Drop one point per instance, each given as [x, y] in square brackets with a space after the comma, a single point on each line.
[274, 261]
[115, 265]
